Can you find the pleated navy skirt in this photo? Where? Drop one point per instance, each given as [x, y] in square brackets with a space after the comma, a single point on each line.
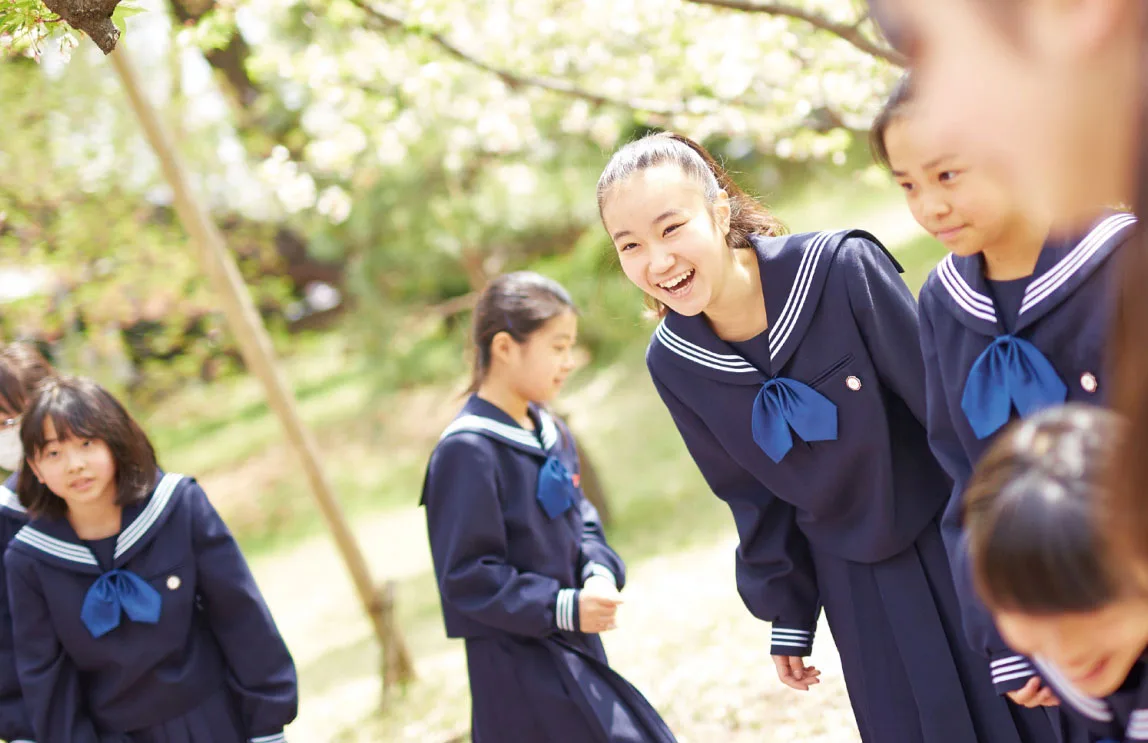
[215, 720]
[910, 674]
[555, 690]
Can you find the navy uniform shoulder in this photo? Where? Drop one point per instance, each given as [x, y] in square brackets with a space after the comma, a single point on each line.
[861, 248]
[466, 445]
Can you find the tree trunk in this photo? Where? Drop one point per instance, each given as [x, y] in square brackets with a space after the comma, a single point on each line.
[255, 344]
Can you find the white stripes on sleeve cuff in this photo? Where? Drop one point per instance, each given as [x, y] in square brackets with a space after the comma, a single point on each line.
[564, 609]
[600, 570]
[276, 738]
[1011, 668]
[791, 638]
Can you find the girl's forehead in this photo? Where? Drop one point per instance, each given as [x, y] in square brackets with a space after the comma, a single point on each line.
[646, 193]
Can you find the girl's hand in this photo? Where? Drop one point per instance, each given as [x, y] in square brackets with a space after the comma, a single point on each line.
[598, 606]
[794, 673]
[1034, 694]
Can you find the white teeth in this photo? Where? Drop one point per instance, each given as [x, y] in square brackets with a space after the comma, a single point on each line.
[673, 283]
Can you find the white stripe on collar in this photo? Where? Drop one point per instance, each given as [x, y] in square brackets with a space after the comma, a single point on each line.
[159, 500]
[780, 330]
[125, 541]
[479, 423]
[1137, 725]
[8, 499]
[1053, 279]
[549, 430]
[1092, 707]
[56, 547]
[703, 356]
[970, 300]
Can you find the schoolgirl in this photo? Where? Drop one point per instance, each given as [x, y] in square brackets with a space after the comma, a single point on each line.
[135, 616]
[524, 572]
[1034, 511]
[1012, 321]
[791, 367]
[22, 368]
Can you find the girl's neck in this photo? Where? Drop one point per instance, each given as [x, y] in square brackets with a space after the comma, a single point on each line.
[738, 312]
[1015, 256]
[97, 519]
[500, 395]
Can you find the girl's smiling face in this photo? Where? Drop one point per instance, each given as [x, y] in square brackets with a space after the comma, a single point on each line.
[670, 241]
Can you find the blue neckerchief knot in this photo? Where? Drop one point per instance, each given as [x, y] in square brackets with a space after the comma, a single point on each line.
[783, 404]
[555, 488]
[1010, 372]
[116, 592]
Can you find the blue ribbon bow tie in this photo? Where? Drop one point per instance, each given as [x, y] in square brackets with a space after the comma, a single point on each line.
[783, 404]
[119, 591]
[555, 488]
[1010, 372]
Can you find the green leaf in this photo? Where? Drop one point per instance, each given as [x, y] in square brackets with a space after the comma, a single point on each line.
[124, 11]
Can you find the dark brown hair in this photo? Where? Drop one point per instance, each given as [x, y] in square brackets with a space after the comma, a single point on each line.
[747, 215]
[1033, 511]
[22, 369]
[1129, 356]
[899, 100]
[516, 303]
[80, 408]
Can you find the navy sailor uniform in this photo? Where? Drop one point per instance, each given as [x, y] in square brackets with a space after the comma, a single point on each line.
[1121, 717]
[162, 637]
[814, 436]
[513, 541]
[15, 724]
[985, 364]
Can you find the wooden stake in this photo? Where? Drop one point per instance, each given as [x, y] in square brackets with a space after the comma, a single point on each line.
[255, 345]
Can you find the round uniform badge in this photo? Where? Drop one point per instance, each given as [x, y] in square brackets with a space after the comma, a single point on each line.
[173, 582]
[1088, 382]
[853, 383]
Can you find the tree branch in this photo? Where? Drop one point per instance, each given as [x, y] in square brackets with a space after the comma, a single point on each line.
[849, 33]
[92, 17]
[513, 80]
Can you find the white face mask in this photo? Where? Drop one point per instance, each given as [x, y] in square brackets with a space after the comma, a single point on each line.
[11, 450]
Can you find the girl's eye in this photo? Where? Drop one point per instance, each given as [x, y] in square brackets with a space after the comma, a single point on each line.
[906, 187]
[671, 228]
[627, 246]
[948, 175]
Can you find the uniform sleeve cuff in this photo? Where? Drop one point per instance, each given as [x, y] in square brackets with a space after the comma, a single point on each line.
[566, 610]
[273, 738]
[790, 641]
[1010, 672]
[600, 570]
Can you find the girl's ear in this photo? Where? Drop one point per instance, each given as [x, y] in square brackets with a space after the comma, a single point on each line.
[501, 346]
[722, 212]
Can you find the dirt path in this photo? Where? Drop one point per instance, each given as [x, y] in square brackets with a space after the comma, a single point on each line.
[685, 640]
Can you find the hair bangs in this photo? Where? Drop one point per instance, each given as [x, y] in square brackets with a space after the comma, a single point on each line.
[72, 416]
